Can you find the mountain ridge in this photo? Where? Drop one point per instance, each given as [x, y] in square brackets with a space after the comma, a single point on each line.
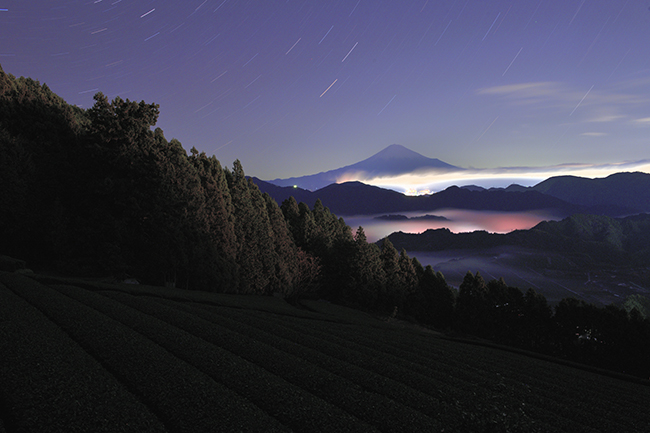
[357, 198]
[626, 189]
[625, 194]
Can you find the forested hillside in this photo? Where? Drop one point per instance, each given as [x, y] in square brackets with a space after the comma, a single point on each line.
[98, 192]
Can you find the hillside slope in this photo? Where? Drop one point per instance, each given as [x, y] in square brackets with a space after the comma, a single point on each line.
[81, 356]
[613, 194]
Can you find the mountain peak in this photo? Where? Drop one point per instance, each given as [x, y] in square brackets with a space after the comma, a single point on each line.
[396, 151]
[394, 160]
[397, 159]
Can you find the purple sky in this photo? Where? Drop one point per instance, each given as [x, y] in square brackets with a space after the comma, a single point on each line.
[298, 87]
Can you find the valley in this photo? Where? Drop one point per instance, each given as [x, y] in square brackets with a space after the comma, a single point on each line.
[564, 237]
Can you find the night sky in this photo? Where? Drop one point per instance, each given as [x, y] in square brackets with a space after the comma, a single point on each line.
[297, 87]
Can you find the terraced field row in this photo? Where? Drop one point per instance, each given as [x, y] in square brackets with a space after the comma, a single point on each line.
[92, 357]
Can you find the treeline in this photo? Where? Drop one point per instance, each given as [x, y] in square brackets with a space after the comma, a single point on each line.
[608, 337]
[361, 274]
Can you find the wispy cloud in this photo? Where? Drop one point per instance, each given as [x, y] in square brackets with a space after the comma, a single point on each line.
[594, 134]
[605, 116]
[600, 104]
[527, 93]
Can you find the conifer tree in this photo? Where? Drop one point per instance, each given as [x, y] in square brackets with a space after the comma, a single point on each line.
[407, 273]
[291, 214]
[38, 142]
[267, 257]
[250, 272]
[307, 277]
[447, 298]
[307, 231]
[536, 325]
[324, 233]
[369, 276]
[437, 299]
[393, 297]
[503, 311]
[286, 253]
[216, 219]
[471, 304]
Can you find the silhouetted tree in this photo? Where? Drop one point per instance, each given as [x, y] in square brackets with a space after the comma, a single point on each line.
[367, 274]
[253, 231]
[535, 324]
[472, 304]
[393, 297]
[433, 301]
[291, 214]
[216, 221]
[407, 273]
[39, 146]
[285, 274]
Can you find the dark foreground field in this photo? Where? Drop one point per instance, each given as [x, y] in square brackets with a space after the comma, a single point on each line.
[88, 357]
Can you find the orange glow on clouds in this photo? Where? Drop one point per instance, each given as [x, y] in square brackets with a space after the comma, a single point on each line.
[458, 221]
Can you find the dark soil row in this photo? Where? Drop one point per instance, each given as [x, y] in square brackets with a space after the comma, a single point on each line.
[371, 407]
[184, 398]
[50, 384]
[199, 346]
[541, 386]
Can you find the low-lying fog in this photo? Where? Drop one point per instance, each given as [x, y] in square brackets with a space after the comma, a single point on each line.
[552, 275]
[457, 221]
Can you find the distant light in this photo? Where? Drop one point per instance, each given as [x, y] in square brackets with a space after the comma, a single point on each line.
[295, 186]
[416, 192]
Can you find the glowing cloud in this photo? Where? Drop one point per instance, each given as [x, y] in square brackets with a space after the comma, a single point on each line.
[417, 183]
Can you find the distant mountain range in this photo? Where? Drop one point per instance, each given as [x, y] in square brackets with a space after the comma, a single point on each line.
[627, 190]
[616, 195]
[586, 238]
[392, 161]
[619, 194]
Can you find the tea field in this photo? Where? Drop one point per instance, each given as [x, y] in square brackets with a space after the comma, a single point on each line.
[78, 356]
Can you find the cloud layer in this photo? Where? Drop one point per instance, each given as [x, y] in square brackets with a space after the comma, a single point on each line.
[500, 177]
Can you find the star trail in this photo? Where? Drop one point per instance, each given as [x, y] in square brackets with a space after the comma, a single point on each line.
[299, 87]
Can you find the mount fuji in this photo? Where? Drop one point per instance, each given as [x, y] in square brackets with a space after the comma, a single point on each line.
[394, 160]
